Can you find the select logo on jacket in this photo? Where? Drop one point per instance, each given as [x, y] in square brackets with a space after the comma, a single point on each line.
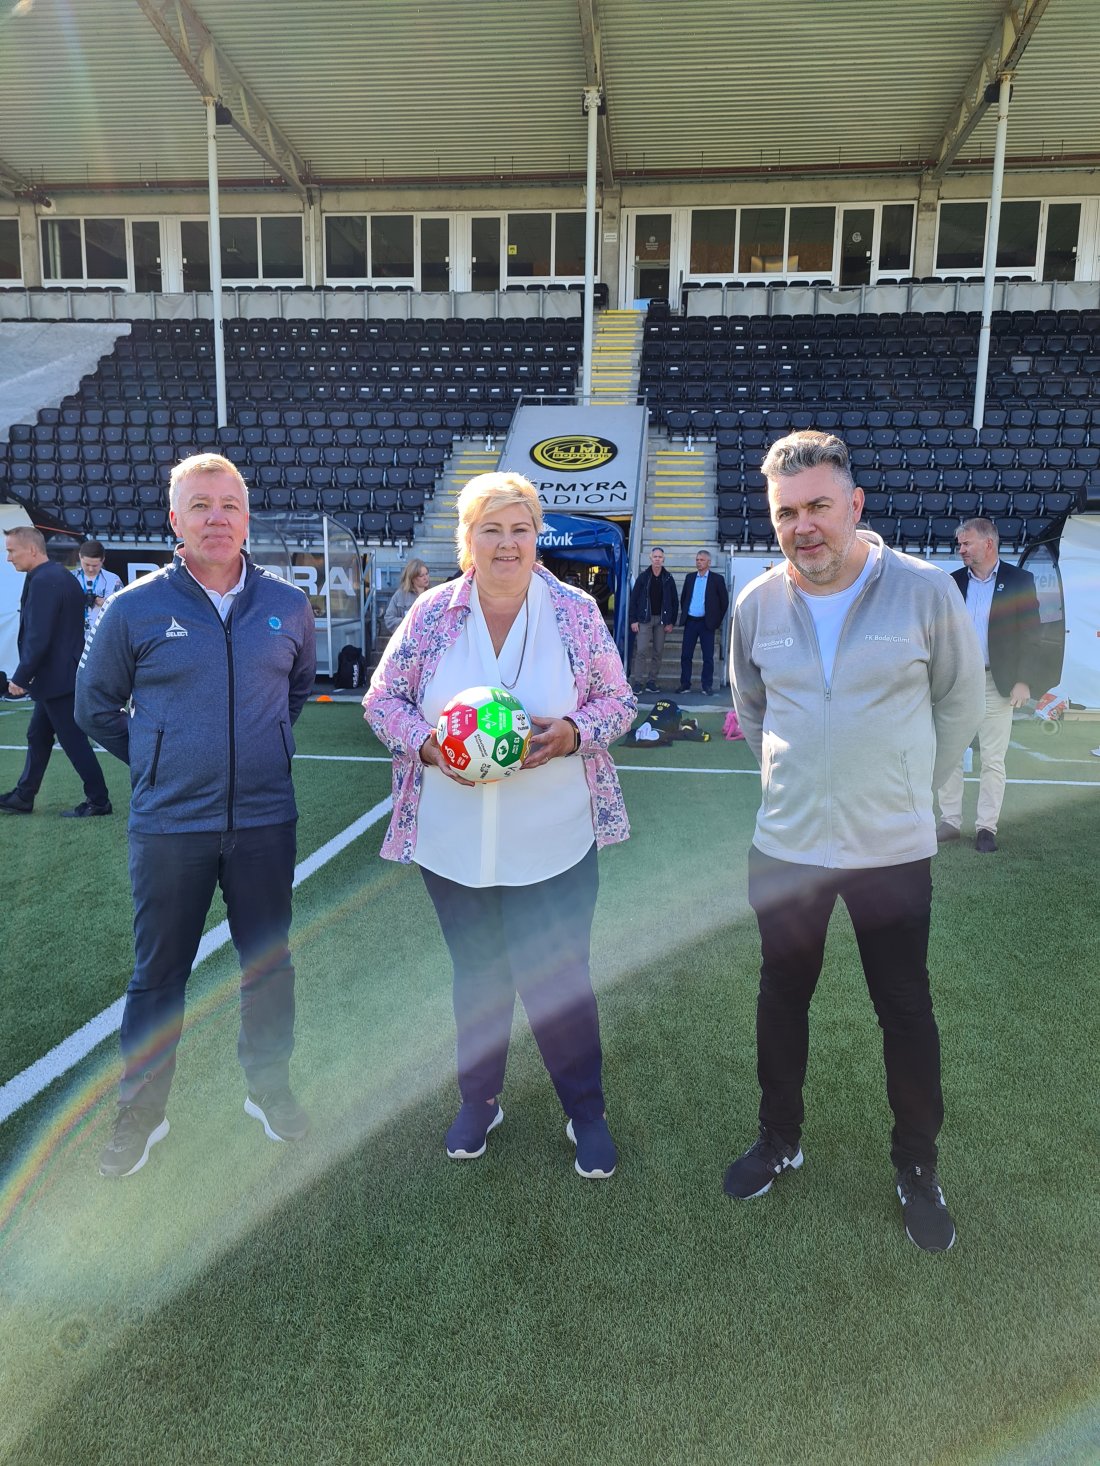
[175, 630]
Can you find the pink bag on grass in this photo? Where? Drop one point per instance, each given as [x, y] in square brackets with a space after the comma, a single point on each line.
[732, 728]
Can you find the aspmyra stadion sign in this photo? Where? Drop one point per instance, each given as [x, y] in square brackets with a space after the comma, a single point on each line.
[581, 459]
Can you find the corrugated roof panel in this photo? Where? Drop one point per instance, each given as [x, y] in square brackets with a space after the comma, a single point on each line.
[754, 84]
[1055, 107]
[439, 89]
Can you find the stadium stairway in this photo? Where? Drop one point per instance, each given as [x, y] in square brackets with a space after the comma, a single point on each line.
[679, 516]
[616, 356]
[435, 535]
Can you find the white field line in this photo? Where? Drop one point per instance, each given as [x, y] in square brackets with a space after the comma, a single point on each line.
[24, 1087]
[332, 758]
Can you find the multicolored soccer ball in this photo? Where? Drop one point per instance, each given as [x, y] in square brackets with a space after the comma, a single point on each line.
[484, 733]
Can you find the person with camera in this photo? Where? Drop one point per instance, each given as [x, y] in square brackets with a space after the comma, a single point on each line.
[51, 639]
[96, 583]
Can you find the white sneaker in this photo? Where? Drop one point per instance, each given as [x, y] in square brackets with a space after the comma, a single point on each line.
[1095, 752]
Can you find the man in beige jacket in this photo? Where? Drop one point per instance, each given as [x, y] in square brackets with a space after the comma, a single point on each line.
[857, 678]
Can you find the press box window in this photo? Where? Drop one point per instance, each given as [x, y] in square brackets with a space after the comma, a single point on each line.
[810, 242]
[346, 246]
[529, 245]
[281, 252]
[713, 236]
[1018, 239]
[240, 252]
[11, 267]
[83, 249]
[761, 248]
[962, 236]
[262, 249]
[391, 246]
[569, 244]
[895, 244]
[961, 243]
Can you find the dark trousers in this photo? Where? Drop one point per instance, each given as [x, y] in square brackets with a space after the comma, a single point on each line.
[695, 632]
[174, 878]
[533, 940]
[53, 717]
[890, 908]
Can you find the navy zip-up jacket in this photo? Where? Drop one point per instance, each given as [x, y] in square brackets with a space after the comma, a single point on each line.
[208, 737]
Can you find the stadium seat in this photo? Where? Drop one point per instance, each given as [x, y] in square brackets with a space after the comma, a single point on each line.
[912, 532]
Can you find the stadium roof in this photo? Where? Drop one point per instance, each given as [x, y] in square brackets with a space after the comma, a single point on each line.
[104, 94]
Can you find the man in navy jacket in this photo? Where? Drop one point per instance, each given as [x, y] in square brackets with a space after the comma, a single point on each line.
[703, 606]
[51, 639]
[215, 658]
[1004, 608]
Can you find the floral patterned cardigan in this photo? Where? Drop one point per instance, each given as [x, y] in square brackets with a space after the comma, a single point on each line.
[605, 703]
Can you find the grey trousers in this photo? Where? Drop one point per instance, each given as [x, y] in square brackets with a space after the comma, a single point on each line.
[649, 648]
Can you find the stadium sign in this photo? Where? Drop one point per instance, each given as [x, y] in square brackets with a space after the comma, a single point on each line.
[592, 464]
[573, 453]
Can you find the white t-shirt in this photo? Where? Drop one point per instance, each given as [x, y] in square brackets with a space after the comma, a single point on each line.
[830, 612]
[538, 822]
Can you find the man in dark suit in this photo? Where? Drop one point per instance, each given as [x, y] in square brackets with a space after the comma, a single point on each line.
[51, 640]
[703, 605]
[1004, 608]
[653, 607]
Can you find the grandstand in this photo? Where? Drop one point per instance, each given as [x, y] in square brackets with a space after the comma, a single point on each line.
[384, 295]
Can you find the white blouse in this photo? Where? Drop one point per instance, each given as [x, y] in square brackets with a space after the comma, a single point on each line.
[538, 822]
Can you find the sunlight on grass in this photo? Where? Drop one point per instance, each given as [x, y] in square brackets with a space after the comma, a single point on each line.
[505, 1310]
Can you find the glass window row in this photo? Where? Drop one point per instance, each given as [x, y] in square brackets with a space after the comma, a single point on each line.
[839, 242]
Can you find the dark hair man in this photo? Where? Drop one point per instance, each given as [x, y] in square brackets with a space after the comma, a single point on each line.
[96, 582]
[1001, 602]
[704, 602]
[856, 675]
[652, 616]
[51, 639]
[218, 658]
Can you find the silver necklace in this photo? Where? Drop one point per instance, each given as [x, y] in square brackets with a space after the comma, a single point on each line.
[523, 648]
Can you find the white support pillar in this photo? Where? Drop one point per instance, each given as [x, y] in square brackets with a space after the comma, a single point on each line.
[216, 258]
[592, 108]
[991, 241]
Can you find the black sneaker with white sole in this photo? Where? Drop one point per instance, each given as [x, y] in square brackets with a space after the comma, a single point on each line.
[137, 1130]
[765, 1161]
[924, 1211]
[280, 1114]
[467, 1137]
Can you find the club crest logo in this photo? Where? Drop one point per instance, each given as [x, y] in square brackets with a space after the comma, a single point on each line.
[573, 453]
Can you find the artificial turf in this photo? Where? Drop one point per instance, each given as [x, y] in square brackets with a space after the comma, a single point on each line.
[361, 1299]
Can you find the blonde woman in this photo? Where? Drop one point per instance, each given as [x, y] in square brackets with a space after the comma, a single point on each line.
[414, 579]
[511, 866]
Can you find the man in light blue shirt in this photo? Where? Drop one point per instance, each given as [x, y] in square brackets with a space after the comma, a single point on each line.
[703, 606]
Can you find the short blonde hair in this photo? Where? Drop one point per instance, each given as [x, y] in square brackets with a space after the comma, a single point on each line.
[200, 463]
[486, 494]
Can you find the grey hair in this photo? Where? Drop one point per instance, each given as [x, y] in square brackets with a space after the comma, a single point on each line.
[202, 463]
[985, 527]
[29, 535]
[809, 449]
